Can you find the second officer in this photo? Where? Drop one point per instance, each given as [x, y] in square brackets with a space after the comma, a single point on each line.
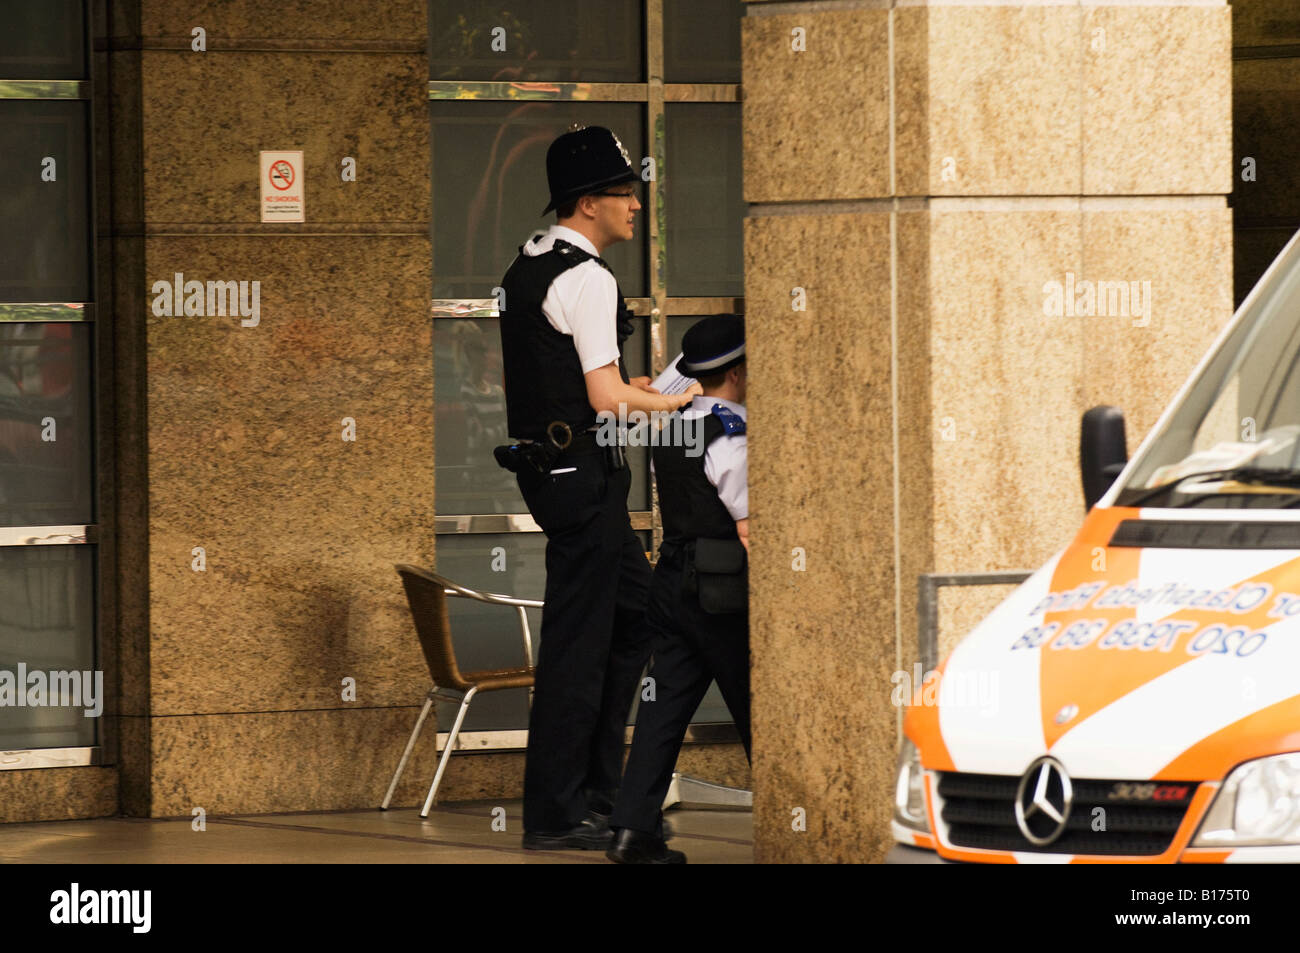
[699, 598]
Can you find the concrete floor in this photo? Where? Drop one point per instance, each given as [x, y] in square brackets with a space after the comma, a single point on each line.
[458, 833]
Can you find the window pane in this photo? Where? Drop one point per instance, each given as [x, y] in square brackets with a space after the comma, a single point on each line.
[44, 225]
[589, 41]
[488, 636]
[706, 207]
[470, 405]
[489, 187]
[46, 624]
[45, 424]
[636, 356]
[702, 41]
[42, 40]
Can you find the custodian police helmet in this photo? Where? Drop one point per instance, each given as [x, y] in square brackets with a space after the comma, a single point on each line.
[584, 160]
[713, 345]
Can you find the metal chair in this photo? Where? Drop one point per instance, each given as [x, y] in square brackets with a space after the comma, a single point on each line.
[427, 593]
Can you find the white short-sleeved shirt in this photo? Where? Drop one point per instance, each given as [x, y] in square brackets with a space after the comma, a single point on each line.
[582, 301]
[726, 461]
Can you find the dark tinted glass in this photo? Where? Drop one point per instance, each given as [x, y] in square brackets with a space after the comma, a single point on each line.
[44, 230]
[702, 41]
[636, 355]
[47, 625]
[706, 207]
[45, 424]
[489, 187]
[470, 404]
[590, 41]
[42, 39]
[488, 636]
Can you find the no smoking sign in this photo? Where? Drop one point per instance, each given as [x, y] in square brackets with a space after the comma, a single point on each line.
[282, 187]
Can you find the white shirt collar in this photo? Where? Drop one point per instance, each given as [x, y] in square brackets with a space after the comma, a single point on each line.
[574, 238]
[705, 405]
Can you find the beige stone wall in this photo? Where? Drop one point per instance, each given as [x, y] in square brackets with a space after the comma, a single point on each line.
[923, 172]
[232, 678]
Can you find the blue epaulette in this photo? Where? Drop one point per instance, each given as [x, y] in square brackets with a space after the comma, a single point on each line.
[732, 422]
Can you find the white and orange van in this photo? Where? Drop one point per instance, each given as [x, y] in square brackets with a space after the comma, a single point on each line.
[1148, 676]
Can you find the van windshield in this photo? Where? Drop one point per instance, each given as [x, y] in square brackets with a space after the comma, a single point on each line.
[1232, 441]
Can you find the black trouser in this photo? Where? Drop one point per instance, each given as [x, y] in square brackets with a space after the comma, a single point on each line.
[594, 640]
[691, 649]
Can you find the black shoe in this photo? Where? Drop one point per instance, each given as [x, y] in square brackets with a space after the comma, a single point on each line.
[591, 833]
[634, 847]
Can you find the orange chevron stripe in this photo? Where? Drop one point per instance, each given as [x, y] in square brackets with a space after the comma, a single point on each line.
[1093, 678]
[921, 724]
[1061, 680]
[1271, 730]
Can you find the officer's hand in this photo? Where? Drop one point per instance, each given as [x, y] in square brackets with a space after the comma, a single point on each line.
[694, 389]
[643, 383]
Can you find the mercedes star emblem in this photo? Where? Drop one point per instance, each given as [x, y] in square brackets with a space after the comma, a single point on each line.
[1043, 801]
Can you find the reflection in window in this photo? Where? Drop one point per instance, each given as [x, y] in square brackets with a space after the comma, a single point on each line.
[469, 400]
[485, 636]
[44, 40]
[489, 187]
[591, 41]
[45, 424]
[46, 624]
[470, 404]
[44, 225]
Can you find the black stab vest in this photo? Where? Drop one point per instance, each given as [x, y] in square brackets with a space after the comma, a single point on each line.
[543, 374]
[688, 502]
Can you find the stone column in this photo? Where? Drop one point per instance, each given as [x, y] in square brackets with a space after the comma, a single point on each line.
[234, 691]
[920, 175]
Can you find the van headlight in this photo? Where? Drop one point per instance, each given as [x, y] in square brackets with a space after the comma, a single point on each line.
[909, 792]
[1258, 804]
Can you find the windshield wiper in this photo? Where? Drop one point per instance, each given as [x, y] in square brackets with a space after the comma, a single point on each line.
[1255, 476]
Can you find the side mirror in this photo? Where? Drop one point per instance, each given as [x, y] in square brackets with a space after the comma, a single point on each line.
[1103, 451]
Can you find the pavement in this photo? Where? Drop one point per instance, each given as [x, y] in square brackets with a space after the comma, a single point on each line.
[458, 833]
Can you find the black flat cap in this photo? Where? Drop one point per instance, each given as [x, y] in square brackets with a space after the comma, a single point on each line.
[713, 345]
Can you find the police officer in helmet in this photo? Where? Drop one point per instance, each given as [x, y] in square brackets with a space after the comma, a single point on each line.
[563, 326]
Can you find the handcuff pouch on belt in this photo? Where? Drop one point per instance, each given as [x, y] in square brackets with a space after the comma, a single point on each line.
[719, 574]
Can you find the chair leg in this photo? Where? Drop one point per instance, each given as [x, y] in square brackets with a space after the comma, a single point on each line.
[451, 744]
[410, 746]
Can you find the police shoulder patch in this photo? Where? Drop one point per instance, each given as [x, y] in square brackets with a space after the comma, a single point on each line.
[732, 423]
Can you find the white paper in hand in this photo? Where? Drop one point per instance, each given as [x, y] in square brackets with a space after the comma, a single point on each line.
[670, 381]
